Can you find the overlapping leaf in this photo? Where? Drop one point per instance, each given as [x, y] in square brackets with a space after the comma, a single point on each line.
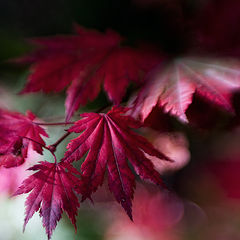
[16, 130]
[84, 62]
[173, 87]
[110, 142]
[52, 191]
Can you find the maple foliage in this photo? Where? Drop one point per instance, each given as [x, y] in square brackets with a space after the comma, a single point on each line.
[173, 86]
[16, 130]
[83, 63]
[113, 143]
[52, 191]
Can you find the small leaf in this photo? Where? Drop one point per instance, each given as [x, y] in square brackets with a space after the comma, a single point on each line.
[15, 131]
[52, 191]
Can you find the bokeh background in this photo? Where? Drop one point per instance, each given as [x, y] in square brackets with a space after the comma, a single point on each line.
[203, 200]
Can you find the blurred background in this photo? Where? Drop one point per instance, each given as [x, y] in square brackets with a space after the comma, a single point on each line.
[203, 200]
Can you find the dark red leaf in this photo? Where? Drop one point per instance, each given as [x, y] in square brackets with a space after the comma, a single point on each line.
[52, 191]
[84, 62]
[109, 142]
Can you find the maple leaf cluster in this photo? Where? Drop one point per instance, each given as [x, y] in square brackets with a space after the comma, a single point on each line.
[82, 64]
[55, 187]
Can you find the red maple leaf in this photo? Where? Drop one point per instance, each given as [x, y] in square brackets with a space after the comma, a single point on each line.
[85, 62]
[16, 130]
[109, 142]
[173, 87]
[52, 191]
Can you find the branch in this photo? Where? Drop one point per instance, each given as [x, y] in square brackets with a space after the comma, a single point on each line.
[43, 146]
[53, 147]
[54, 124]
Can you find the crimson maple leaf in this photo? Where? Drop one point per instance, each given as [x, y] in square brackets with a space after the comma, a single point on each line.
[109, 142]
[16, 130]
[84, 62]
[173, 87]
[52, 191]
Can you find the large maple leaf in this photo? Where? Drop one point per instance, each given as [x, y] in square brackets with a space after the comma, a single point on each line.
[109, 142]
[15, 135]
[84, 62]
[173, 87]
[52, 191]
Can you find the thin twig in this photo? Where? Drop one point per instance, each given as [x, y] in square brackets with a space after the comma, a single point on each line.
[54, 146]
[54, 124]
[43, 146]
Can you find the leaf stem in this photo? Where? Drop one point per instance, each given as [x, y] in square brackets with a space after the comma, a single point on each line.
[54, 146]
[43, 146]
[54, 124]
